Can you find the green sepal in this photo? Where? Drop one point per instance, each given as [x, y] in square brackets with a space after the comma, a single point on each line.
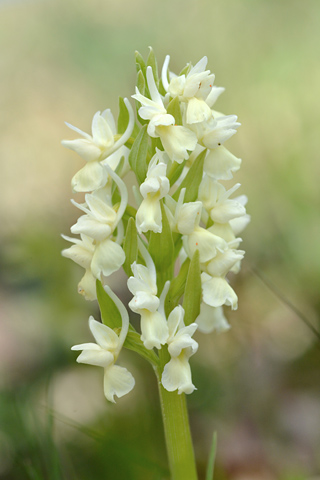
[161, 89]
[129, 212]
[212, 457]
[152, 62]
[141, 82]
[210, 222]
[143, 89]
[192, 293]
[177, 240]
[192, 180]
[140, 64]
[174, 110]
[185, 70]
[110, 314]
[155, 143]
[123, 118]
[116, 197]
[161, 247]
[176, 289]
[138, 155]
[175, 172]
[130, 246]
[135, 132]
[134, 342]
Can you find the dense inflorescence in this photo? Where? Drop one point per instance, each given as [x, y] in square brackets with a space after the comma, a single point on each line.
[178, 243]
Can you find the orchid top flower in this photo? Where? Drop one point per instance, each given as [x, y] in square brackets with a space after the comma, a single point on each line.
[176, 140]
[196, 88]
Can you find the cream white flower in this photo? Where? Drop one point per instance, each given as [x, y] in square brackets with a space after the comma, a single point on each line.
[224, 262]
[211, 319]
[216, 292]
[183, 217]
[177, 373]
[176, 140]
[215, 199]
[205, 241]
[155, 187]
[97, 251]
[97, 147]
[143, 285]
[118, 381]
[220, 163]
[215, 130]
[82, 253]
[239, 224]
[196, 89]
[144, 288]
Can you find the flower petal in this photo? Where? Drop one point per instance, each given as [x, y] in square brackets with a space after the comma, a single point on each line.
[177, 376]
[197, 111]
[217, 292]
[206, 242]
[107, 258]
[176, 140]
[85, 148]
[92, 354]
[211, 318]
[220, 163]
[117, 381]
[91, 177]
[101, 132]
[154, 329]
[87, 286]
[149, 215]
[104, 335]
[143, 301]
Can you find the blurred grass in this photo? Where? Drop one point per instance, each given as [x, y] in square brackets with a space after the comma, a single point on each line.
[257, 385]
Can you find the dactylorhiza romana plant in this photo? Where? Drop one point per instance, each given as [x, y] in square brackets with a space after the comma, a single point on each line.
[177, 243]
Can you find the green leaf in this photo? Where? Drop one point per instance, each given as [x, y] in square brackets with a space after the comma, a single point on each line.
[176, 289]
[152, 62]
[138, 155]
[123, 118]
[192, 293]
[174, 110]
[134, 342]
[161, 247]
[130, 246]
[212, 457]
[110, 314]
[192, 180]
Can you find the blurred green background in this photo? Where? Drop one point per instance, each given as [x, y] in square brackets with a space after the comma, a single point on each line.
[258, 384]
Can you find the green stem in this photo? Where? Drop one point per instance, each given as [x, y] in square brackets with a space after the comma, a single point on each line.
[176, 429]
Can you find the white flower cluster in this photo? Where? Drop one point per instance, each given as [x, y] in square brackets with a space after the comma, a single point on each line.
[184, 217]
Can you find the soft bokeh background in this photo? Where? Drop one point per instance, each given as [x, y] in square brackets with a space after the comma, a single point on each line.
[258, 385]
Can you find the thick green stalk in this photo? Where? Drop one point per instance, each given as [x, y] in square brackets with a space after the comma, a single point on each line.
[177, 430]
